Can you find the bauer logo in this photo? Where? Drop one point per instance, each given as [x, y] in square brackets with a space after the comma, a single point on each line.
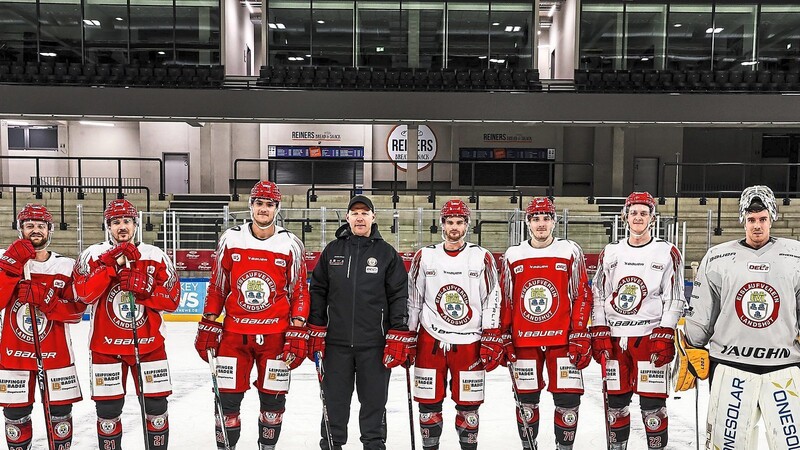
[758, 267]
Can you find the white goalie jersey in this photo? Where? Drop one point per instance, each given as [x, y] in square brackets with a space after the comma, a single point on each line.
[455, 297]
[745, 303]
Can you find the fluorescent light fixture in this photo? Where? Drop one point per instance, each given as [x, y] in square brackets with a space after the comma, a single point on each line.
[308, 56]
[320, 22]
[97, 124]
[749, 63]
[17, 122]
[280, 26]
[788, 46]
[678, 25]
[509, 28]
[272, 25]
[482, 57]
[249, 6]
[645, 58]
[118, 19]
[47, 54]
[495, 24]
[714, 30]
[552, 10]
[91, 22]
[161, 53]
[517, 28]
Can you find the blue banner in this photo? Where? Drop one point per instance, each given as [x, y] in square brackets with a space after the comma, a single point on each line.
[193, 296]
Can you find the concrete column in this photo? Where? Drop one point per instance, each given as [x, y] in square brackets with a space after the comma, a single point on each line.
[413, 37]
[413, 146]
[618, 162]
[206, 160]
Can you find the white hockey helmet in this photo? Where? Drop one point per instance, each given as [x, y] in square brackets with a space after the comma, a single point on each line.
[764, 195]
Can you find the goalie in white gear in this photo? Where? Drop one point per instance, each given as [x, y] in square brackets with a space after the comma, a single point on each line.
[454, 299]
[744, 306]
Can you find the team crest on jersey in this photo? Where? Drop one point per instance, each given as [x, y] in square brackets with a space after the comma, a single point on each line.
[453, 305]
[539, 300]
[119, 309]
[256, 288]
[24, 324]
[757, 304]
[629, 295]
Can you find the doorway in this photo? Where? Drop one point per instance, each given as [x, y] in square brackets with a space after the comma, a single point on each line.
[645, 175]
[176, 173]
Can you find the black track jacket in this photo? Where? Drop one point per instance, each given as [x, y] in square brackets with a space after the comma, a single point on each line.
[359, 290]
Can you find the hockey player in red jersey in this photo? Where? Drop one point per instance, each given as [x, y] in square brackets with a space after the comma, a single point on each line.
[546, 303]
[102, 276]
[454, 299]
[259, 279]
[48, 294]
[638, 299]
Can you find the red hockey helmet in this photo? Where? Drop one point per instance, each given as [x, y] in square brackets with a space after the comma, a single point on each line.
[456, 208]
[640, 198]
[540, 205]
[32, 211]
[120, 208]
[266, 190]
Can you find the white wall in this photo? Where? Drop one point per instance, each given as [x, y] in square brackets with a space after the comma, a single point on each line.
[543, 51]
[562, 39]
[238, 34]
[157, 138]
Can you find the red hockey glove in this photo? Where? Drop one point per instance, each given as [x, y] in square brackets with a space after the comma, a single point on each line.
[137, 282]
[295, 347]
[401, 347]
[38, 295]
[209, 333]
[580, 349]
[126, 249]
[601, 341]
[14, 259]
[662, 345]
[491, 349]
[509, 352]
[316, 341]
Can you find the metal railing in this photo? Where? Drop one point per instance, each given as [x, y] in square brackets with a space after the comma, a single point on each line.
[473, 188]
[38, 184]
[86, 184]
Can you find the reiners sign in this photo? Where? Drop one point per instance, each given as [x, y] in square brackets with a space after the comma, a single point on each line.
[397, 146]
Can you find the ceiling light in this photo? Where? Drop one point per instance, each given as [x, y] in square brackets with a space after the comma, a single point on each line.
[645, 58]
[96, 124]
[714, 30]
[308, 56]
[678, 25]
[320, 22]
[552, 11]
[482, 57]
[517, 28]
[509, 28]
[788, 46]
[280, 26]
[272, 25]
[118, 19]
[749, 63]
[47, 54]
[379, 49]
[161, 53]
[495, 24]
[91, 22]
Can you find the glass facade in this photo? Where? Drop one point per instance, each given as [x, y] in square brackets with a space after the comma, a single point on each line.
[110, 31]
[398, 34]
[705, 35]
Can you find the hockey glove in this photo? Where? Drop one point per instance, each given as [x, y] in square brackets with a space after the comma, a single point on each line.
[111, 257]
[209, 334]
[491, 349]
[509, 352]
[316, 341]
[401, 347]
[137, 282]
[580, 349]
[37, 294]
[693, 363]
[295, 347]
[601, 341]
[14, 259]
[662, 345]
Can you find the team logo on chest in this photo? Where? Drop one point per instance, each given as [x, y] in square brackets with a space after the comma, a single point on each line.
[24, 322]
[539, 300]
[628, 297]
[757, 304]
[118, 308]
[257, 289]
[453, 305]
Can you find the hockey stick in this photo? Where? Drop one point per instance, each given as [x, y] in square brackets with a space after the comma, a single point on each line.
[604, 375]
[410, 406]
[320, 376]
[212, 363]
[694, 265]
[137, 359]
[525, 426]
[41, 376]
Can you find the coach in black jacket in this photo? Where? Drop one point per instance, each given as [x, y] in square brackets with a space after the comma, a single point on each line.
[359, 322]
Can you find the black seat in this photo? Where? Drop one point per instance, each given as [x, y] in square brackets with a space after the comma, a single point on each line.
[335, 75]
[491, 78]
[421, 77]
[476, 79]
[506, 79]
[393, 78]
[520, 79]
[378, 80]
[321, 77]
[278, 76]
[463, 82]
[435, 80]
[448, 79]
[307, 74]
[264, 76]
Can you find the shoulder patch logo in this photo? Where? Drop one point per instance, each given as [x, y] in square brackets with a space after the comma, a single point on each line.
[518, 269]
[336, 261]
[430, 272]
[236, 257]
[474, 273]
[372, 262]
[657, 266]
[280, 262]
[561, 266]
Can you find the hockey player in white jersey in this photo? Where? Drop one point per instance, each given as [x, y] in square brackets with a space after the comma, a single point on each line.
[638, 299]
[454, 300]
[546, 307]
[745, 304]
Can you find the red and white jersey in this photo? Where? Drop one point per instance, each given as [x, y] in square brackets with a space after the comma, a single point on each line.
[111, 317]
[638, 288]
[261, 283]
[545, 293]
[453, 296]
[17, 336]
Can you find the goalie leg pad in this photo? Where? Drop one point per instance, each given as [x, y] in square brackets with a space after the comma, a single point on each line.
[430, 424]
[530, 414]
[655, 419]
[733, 408]
[780, 407]
[19, 430]
[467, 426]
[566, 418]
